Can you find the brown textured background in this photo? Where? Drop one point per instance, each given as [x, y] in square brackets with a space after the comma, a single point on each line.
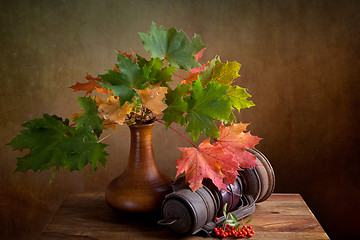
[300, 61]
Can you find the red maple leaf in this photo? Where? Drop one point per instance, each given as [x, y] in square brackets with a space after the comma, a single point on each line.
[194, 72]
[90, 86]
[235, 141]
[199, 54]
[197, 57]
[207, 161]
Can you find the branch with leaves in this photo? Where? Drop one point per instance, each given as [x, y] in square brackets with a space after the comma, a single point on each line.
[136, 91]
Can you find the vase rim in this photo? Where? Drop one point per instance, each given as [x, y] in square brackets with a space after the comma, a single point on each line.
[141, 125]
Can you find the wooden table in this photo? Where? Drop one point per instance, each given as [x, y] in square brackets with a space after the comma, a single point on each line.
[87, 216]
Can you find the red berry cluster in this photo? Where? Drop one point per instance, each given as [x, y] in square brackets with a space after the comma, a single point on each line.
[230, 231]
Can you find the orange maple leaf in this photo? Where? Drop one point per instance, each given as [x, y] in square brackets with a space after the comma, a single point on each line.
[190, 78]
[206, 161]
[112, 111]
[152, 98]
[235, 141]
[90, 86]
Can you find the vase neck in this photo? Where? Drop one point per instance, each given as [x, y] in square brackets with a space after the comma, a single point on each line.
[141, 150]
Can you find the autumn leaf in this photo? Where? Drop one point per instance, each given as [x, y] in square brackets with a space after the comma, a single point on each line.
[53, 143]
[238, 97]
[190, 78]
[152, 98]
[223, 73]
[89, 119]
[194, 72]
[198, 69]
[112, 111]
[197, 57]
[90, 86]
[173, 46]
[204, 105]
[124, 83]
[199, 54]
[176, 105]
[130, 55]
[98, 100]
[108, 124]
[206, 161]
[155, 71]
[207, 71]
[235, 142]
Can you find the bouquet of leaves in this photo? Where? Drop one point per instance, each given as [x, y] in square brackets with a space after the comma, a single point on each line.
[136, 91]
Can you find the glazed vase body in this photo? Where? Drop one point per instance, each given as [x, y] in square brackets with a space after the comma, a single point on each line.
[141, 187]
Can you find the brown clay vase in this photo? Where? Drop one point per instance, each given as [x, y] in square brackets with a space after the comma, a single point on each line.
[141, 187]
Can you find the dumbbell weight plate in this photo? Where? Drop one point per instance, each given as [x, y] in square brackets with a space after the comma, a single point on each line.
[266, 175]
[251, 182]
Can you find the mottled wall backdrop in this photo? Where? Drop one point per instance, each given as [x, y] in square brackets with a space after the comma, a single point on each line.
[300, 61]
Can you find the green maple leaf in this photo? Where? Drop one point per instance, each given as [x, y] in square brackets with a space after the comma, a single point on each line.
[48, 127]
[238, 97]
[82, 149]
[124, 83]
[173, 46]
[89, 119]
[176, 105]
[223, 73]
[204, 106]
[53, 143]
[155, 71]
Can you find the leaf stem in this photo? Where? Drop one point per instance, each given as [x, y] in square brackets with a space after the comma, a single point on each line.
[215, 139]
[177, 133]
[108, 135]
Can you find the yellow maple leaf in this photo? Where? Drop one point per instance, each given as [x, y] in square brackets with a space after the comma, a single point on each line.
[107, 123]
[98, 100]
[152, 98]
[110, 110]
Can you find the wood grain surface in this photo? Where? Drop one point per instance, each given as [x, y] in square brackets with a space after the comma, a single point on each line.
[87, 216]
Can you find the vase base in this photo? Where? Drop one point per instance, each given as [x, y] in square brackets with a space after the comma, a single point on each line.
[143, 196]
